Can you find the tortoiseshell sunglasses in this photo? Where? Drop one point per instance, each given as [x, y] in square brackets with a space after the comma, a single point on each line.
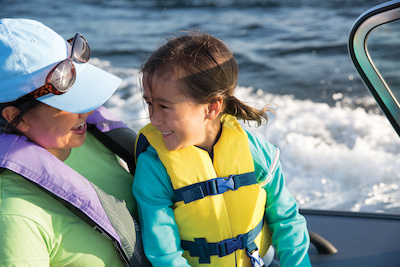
[61, 78]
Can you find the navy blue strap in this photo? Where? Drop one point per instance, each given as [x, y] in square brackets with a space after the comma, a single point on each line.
[141, 146]
[214, 186]
[200, 248]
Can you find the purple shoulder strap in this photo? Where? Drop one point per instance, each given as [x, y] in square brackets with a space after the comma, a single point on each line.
[104, 120]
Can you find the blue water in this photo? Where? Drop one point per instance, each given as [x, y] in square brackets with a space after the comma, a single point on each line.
[294, 47]
[338, 150]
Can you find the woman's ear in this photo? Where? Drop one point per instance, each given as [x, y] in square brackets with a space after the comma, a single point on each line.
[214, 109]
[9, 113]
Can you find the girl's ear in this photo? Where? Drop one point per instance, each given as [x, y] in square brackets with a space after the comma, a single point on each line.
[214, 109]
[9, 113]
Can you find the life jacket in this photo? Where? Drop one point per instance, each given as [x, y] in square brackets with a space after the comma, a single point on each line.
[219, 207]
[100, 210]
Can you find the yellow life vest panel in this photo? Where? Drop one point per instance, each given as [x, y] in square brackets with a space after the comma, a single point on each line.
[215, 217]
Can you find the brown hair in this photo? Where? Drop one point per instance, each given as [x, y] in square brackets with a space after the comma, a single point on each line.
[207, 69]
[24, 108]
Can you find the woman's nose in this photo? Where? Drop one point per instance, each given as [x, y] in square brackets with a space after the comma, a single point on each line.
[86, 113]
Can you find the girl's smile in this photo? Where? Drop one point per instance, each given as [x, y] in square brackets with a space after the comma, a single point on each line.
[166, 134]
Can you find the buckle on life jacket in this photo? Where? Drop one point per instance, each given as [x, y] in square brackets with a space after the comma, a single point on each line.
[225, 184]
[214, 187]
[204, 250]
[228, 246]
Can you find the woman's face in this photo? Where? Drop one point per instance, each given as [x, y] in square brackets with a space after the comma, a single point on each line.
[56, 130]
[181, 120]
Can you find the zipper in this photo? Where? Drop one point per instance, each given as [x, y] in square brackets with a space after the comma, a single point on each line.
[268, 177]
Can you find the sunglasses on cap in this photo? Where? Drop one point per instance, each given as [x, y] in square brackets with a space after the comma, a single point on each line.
[61, 78]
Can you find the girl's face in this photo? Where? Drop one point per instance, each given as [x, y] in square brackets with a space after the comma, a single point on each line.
[182, 121]
[56, 130]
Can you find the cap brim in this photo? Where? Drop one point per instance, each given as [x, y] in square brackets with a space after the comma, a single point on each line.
[92, 87]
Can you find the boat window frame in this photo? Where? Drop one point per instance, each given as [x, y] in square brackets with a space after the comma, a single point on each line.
[357, 47]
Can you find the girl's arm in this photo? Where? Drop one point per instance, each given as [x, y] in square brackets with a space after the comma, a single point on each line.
[288, 227]
[154, 194]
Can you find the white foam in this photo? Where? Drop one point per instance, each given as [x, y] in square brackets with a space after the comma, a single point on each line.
[335, 157]
[332, 157]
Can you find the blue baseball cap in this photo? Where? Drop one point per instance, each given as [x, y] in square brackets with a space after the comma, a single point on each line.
[28, 52]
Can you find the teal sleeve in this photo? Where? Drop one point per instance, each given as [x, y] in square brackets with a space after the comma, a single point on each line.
[154, 194]
[288, 227]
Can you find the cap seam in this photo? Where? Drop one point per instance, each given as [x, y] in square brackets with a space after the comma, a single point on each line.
[15, 47]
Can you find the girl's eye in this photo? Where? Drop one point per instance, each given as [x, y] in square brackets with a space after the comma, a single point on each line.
[162, 106]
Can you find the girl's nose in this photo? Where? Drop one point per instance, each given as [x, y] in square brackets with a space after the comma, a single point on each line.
[155, 116]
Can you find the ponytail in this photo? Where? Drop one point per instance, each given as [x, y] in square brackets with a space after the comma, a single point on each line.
[238, 109]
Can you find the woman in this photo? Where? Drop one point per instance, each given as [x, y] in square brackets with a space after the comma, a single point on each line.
[65, 198]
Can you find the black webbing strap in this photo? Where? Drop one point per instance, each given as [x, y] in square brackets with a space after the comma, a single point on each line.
[214, 187]
[200, 248]
[120, 141]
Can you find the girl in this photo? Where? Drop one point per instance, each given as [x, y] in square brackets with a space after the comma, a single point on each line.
[209, 192]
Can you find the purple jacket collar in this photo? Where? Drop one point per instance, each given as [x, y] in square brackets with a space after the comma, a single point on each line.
[42, 168]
